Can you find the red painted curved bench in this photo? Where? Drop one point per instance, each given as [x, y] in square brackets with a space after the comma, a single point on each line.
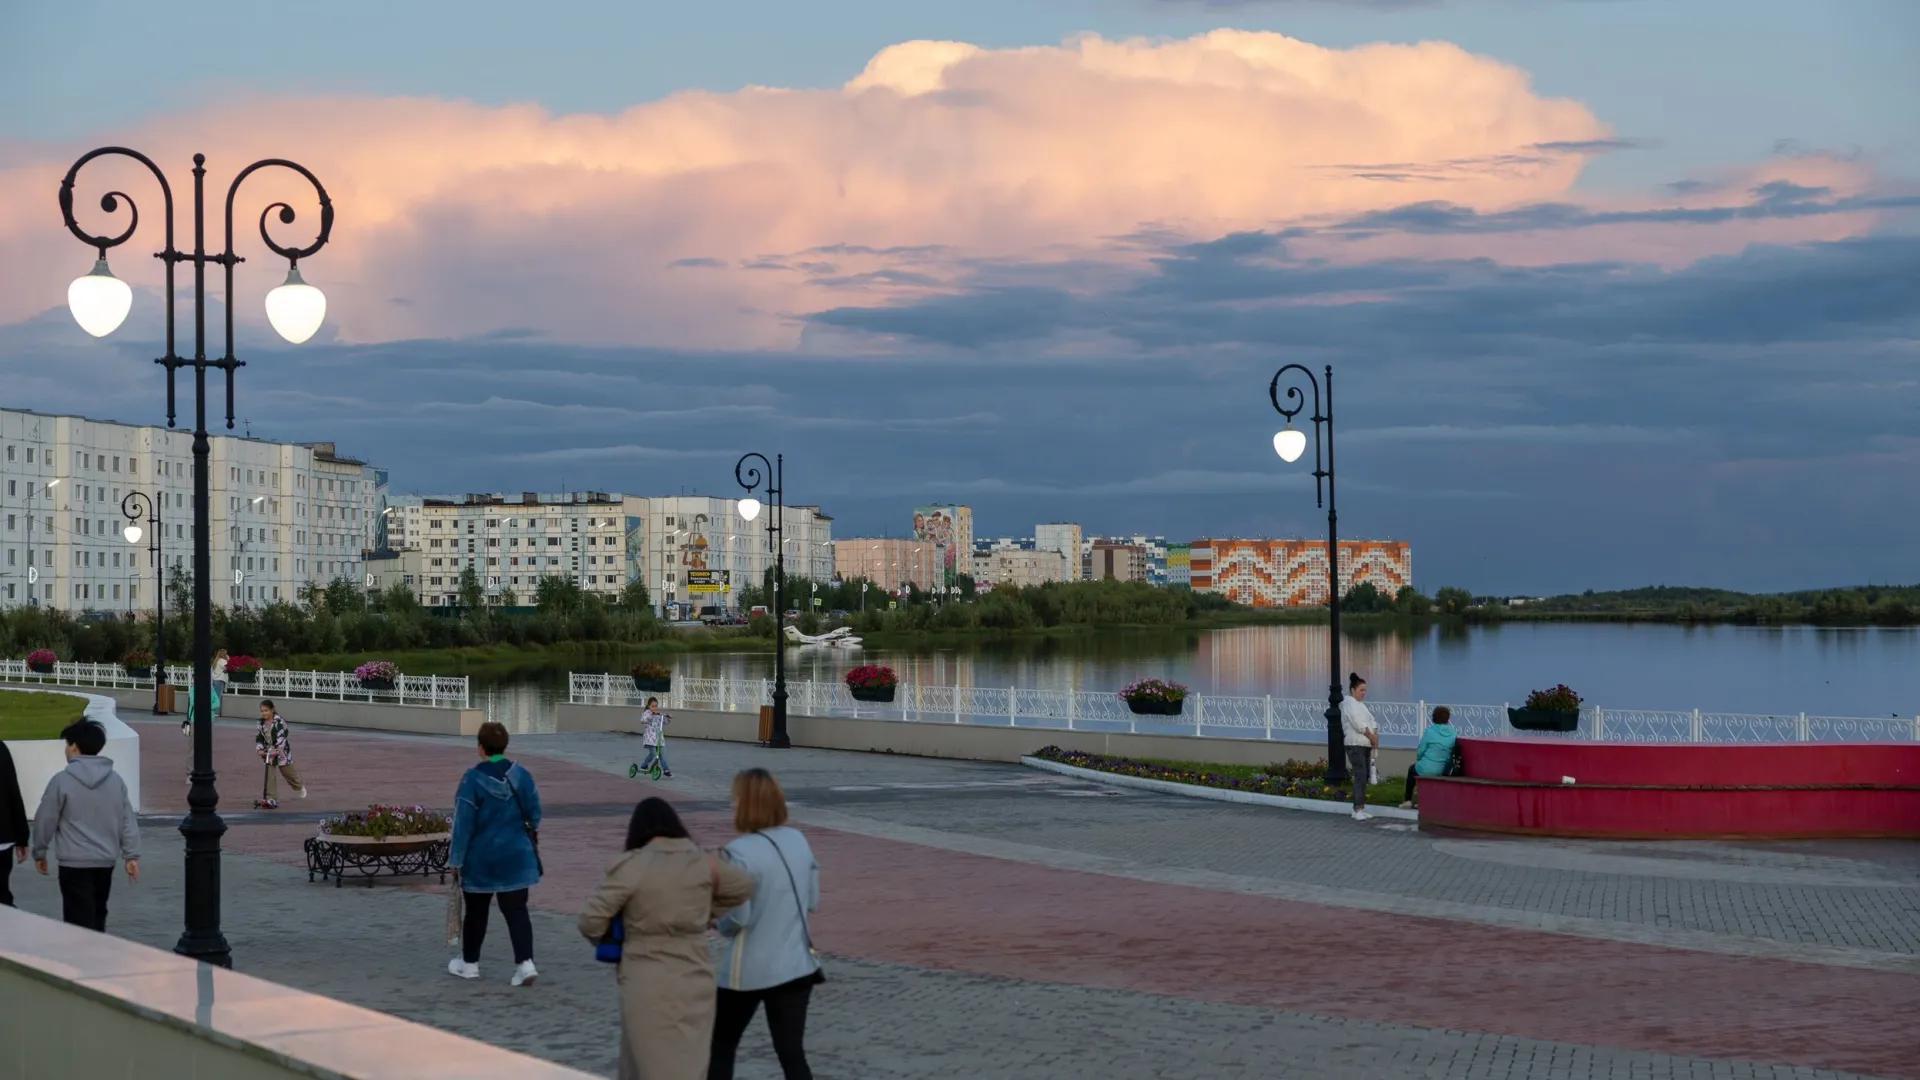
[1674, 790]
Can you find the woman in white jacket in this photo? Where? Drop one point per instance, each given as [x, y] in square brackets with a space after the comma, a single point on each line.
[1362, 737]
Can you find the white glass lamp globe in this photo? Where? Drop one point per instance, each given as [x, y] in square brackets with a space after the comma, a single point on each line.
[99, 301]
[132, 533]
[1290, 442]
[296, 308]
[749, 508]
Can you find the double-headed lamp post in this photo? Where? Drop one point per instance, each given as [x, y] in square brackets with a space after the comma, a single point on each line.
[753, 478]
[130, 506]
[1290, 442]
[100, 303]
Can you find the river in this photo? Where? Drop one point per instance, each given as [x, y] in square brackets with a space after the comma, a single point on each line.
[1822, 671]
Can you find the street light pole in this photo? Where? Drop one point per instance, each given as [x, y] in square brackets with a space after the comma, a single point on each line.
[130, 507]
[751, 477]
[1290, 443]
[100, 302]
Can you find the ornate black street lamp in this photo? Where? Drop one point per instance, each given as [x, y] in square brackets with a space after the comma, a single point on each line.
[752, 478]
[100, 302]
[1290, 442]
[130, 506]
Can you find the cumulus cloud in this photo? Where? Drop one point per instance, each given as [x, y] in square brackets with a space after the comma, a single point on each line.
[681, 221]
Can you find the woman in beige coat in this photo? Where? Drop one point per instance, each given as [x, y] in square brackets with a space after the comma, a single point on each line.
[666, 892]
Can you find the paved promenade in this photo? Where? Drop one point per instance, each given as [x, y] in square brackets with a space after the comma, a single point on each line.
[989, 921]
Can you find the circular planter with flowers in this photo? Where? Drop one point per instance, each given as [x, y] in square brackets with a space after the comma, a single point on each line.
[41, 661]
[138, 664]
[242, 670]
[651, 677]
[395, 841]
[377, 675]
[1154, 697]
[1557, 709]
[872, 682]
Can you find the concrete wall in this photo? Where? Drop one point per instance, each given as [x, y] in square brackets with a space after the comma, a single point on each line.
[82, 1004]
[36, 761]
[968, 742]
[361, 715]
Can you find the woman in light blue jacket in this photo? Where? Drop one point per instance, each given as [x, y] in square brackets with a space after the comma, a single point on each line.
[1434, 753]
[768, 957]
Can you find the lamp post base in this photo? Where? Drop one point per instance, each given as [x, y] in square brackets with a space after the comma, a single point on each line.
[202, 939]
[778, 739]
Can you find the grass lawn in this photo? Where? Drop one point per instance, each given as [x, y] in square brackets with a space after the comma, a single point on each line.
[1298, 779]
[26, 715]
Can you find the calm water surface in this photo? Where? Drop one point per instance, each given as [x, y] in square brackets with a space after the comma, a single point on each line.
[1831, 672]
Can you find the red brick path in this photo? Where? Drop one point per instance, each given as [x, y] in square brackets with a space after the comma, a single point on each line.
[900, 902]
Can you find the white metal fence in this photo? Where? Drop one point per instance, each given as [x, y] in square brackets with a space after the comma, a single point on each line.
[435, 691]
[1289, 719]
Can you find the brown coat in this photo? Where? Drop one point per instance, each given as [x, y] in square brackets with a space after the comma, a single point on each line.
[667, 894]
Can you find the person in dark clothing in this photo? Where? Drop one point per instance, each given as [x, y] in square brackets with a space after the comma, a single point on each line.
[14, 833]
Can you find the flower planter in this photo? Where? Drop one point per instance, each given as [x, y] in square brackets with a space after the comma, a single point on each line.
[368, 857]
[1155, 706]
[139, 672]
[653, 686]
[376, 684]
[1544, 719]
[389, 845]
[242, 678]
[39, 668]
[872, 693]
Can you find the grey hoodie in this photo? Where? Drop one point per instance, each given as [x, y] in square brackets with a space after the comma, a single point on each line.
[86, 816]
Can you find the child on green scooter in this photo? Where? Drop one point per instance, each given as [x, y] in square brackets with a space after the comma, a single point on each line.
[653, 736]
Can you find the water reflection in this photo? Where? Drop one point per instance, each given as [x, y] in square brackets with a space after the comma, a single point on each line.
[1869, 672]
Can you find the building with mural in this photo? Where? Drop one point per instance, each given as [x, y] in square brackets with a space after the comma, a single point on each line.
[949, 528]
[1293, 573]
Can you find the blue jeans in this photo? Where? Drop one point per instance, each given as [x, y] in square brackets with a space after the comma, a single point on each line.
[654, 753]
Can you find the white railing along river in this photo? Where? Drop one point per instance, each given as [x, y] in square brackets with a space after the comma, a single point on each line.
[434, 691]
[1209, 715]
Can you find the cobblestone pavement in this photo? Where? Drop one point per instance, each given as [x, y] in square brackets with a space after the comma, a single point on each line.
[986, 920]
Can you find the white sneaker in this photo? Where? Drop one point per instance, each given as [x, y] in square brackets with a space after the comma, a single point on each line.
[460, 969]
[1362, 815]
[303, 793]
[524, 975]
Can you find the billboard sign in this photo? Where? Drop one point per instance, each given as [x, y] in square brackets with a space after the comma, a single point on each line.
[708, 581]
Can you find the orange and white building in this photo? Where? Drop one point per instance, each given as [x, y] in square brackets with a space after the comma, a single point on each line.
[1293, 573]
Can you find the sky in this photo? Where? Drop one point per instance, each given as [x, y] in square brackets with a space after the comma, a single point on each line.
[1615, 292]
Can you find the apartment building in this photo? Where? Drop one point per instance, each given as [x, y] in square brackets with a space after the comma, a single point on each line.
[510, 542]
[1293, 573]
[281, 514]
[696, 551]
[949, 527]
[889, 562]
[1108, 560]
[1021, 567]
[1063, 537]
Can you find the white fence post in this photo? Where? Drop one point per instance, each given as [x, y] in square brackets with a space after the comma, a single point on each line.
[1803, 731]
[1599, 724]
[1696, 725]
[1199, 711]
[1013, 706]
[1073, 706]
[1420, 718]
[1268, 712]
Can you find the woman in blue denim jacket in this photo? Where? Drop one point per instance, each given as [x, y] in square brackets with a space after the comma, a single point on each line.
[495, 854]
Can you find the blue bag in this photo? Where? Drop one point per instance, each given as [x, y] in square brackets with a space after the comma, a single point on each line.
[607, 949]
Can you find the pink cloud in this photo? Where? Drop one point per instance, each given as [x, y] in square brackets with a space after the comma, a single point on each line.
[458, 219]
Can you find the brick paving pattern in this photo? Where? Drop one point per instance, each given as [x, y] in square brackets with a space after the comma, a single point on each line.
[986, 921]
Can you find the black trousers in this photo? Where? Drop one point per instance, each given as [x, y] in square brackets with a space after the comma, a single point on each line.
[83, 895]
[786, 1020]
[1411, 778]
[6, 877]
[513, 908]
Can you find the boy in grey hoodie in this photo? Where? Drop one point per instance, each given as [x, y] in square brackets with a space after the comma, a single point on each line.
[87, 819]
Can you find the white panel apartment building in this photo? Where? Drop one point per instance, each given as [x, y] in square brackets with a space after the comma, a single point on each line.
[599, 540]
[282, 514]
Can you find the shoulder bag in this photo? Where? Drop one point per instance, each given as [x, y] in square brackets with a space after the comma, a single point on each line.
[819, 970]
[611, 944]
[533, 831]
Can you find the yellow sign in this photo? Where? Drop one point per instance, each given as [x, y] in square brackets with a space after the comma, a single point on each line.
[708, 581]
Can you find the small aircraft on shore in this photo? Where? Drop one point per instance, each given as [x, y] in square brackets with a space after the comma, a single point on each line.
[838, 638]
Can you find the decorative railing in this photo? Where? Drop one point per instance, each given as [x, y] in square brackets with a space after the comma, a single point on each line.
[1219, 716]
[433, 691]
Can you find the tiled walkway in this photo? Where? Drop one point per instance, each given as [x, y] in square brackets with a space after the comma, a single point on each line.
[989, 921]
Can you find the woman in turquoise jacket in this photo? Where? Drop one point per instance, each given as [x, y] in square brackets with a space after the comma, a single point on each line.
[1430, 757]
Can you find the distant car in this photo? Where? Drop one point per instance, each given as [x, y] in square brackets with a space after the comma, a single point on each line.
[793, 613]
[837, 614]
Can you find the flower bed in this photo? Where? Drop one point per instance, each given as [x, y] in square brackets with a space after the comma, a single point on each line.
[242, 668]
[653, 677]
[376, 674]
[138, 663]
[41, 661]
[382, 822]
[872, 682]
[1292, 779]
[1154, 697]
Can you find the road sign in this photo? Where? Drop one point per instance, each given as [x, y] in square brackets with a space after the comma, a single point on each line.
[33, 574]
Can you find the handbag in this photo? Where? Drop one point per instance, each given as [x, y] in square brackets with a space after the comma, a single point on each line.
[456, 909]
[533, 831]
[612, 943]
[819, 970]
[1456, 765]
